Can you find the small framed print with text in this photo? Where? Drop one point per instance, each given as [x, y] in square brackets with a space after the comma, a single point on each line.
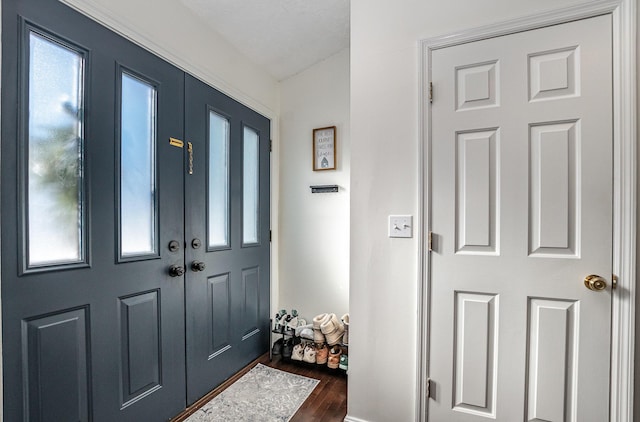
[324, 148]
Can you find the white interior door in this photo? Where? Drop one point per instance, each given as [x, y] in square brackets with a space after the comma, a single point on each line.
[521, 213]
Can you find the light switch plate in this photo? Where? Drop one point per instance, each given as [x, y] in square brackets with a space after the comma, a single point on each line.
[400, 226]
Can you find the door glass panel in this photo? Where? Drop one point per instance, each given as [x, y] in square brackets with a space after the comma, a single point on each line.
[55, 154]
[137, 168]
[218, 181]
[250, 186]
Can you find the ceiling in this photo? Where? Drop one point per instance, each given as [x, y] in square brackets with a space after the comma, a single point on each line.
[283, 36]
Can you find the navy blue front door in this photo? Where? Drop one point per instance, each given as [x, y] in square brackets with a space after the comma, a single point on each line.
[111, 178]
[227, 214]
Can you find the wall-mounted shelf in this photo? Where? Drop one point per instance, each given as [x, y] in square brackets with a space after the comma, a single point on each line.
[324, 188]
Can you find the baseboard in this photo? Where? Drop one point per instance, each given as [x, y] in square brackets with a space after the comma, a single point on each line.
[353, 419]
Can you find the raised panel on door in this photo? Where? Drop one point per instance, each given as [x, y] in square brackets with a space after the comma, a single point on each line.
[56, 361]
[227, 213]
[476, 353]
[93, 325]
[219, 315]
[552, 360]
[554, 193]
[518, 125]
[139, 346]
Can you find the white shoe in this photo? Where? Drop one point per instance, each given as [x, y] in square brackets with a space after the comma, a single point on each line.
[309, 354]
[298, 352]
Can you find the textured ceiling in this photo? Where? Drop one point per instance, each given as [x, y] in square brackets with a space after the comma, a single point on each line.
[283, 36]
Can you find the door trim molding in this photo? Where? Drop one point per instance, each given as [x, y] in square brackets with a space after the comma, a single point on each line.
[623, 14]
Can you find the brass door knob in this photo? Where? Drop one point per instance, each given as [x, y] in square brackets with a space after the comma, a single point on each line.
[595, 283]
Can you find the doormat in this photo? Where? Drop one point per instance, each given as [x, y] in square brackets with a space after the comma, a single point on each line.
[262, 394]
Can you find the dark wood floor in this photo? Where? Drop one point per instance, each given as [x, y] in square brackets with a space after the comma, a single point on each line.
[327, 402]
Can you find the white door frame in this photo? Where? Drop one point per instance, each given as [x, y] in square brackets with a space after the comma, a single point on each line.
[623, 14]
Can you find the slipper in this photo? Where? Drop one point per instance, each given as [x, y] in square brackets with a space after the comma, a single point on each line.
[333, 329]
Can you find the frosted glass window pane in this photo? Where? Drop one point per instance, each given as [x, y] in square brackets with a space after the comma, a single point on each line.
[218, 180]
[55, 153]
[250, 187]
[137, 167]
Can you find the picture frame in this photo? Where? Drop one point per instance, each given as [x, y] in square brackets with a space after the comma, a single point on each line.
[324, 148]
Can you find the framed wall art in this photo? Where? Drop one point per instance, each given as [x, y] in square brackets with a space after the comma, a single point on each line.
[324, 148]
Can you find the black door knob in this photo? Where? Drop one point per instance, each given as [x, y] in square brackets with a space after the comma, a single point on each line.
[176, 271]
[198, 266]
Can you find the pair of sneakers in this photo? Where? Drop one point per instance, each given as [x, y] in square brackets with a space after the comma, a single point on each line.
[304, 352]
[292, 321]
[280, 321]
[286, 323]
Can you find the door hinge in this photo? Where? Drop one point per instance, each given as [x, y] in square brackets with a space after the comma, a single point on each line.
[270, 145]
[269, 235]
[430, 241]
[431, 92]
[430, 393]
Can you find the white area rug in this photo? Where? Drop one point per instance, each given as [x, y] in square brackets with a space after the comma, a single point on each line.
[263, 394]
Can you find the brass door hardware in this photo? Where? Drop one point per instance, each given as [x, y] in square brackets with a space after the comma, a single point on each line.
[595, 283]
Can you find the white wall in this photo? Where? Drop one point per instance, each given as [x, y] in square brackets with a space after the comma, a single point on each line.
[384, 180]
[314, 228]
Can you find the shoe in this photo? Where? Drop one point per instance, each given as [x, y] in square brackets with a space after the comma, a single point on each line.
[284, 324]
[276, 323]
[287, 349]
[345, 336]
[318, 337]
[344, 362]
[277, 347]
[298, 352]
[293, 321]
[310, 353]
[334, 357]
[333, 329]
[322, 353]
[304, 331]
[280, 323]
